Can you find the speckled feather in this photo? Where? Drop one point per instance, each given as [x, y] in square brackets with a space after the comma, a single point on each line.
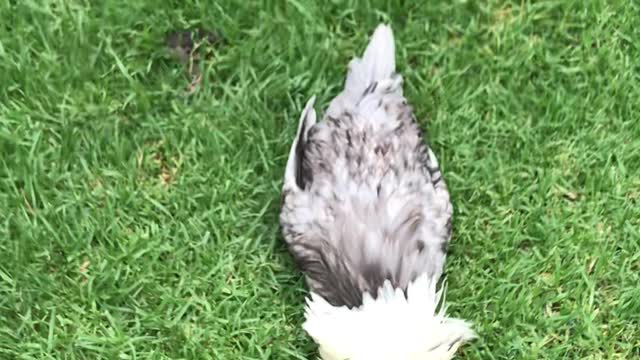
[363, 196]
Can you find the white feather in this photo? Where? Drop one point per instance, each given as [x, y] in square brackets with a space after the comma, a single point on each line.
[378, 64]
[390, 327]
[307, 119]
[378, 61]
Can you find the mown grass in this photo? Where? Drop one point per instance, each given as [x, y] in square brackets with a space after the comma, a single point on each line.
[138, 222]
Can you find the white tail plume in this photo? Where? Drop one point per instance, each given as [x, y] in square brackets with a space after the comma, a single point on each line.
[377, 64]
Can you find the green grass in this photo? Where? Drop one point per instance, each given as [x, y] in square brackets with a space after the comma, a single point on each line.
[137, 222]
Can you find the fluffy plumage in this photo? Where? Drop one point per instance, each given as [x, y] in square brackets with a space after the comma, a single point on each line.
[364, 203]
[393, 326]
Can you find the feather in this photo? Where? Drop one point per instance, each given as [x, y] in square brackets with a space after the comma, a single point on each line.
[293, 178]
[363, 198]
[365, 210]
[393, 326]
[377, 64]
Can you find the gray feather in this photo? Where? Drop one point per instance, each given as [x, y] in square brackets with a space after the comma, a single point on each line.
[363, 197]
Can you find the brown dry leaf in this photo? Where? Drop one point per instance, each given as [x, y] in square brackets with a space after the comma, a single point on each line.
[166, 177]
[84, 266]
[591, 265]
[27, 204]
[193, 86]
[96, 184]
[534, 40]
[501, 18]
[182, 43]
[549, 339]
[550, 310]
[139, 159]
[185, 46]
[547, 278]
[571, 195]
[502, 15]
[157, 158]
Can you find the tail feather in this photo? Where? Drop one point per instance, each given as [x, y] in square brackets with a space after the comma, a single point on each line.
[391, 326]
[378, 63]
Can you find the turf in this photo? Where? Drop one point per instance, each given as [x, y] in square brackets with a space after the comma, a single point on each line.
[139, 222]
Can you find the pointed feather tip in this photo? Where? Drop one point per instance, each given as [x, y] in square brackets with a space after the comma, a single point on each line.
[310, 103]
[306, 121]
[379, 58]
[390, 326]
[383, 31]
[308, 115]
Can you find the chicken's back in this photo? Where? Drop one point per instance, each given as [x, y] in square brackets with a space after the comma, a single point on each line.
[366, 201]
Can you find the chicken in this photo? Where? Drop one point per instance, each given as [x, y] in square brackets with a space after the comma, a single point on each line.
[367, 217]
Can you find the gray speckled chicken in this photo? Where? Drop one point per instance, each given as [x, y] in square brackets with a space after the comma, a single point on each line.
[367, 217]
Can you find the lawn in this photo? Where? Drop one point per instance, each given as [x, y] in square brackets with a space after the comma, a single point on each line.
[140, 221]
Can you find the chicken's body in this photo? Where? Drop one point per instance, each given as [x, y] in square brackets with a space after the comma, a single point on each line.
[364, 201]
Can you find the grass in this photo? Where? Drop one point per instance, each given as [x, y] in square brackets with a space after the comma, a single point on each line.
[137, 222]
